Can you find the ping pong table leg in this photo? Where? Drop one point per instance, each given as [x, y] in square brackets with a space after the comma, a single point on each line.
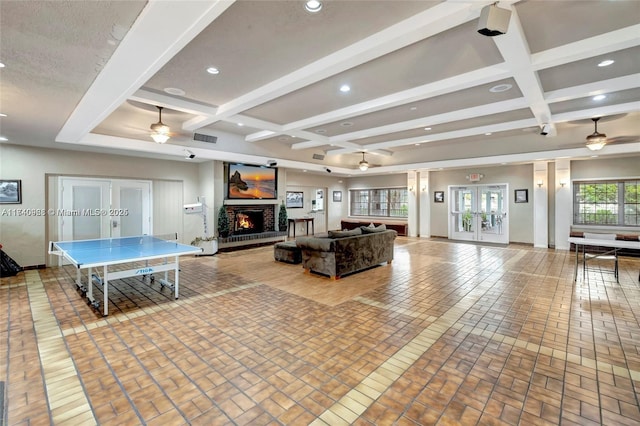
[105, 290]
[90, 285]
[177, 276]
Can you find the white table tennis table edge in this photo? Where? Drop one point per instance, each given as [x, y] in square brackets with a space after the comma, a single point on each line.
[196, 250]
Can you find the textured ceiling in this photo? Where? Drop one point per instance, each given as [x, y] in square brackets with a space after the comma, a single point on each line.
[89, 75]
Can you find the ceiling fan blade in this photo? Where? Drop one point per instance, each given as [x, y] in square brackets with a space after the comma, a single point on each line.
[623, 139]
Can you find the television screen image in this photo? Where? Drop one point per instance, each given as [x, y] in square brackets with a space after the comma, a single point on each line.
[245, 181]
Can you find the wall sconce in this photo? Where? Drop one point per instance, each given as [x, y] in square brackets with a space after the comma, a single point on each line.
[424, 188]
[563, 182]
[539, 183]
[411, 188]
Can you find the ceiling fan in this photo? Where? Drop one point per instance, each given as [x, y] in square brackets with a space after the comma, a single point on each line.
[597, 140]
[159, 130]
[364, 165]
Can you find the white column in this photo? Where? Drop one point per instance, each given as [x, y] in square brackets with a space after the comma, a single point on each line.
[425, 204]
[564, 204]
[540, 205]
[414, 206]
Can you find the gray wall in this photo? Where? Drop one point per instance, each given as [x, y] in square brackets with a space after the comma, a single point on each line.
[516, 177]
[25, 238]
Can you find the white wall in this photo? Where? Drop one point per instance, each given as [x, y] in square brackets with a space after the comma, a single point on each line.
[25, 238]
[308, 183]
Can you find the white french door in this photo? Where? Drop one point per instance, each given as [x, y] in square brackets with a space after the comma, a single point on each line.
[479, 213]
[103, 208]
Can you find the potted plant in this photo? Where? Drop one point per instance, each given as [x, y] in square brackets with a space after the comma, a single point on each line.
[223, 222]
[282, 218]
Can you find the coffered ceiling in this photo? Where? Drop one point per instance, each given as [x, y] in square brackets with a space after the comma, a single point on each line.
[426, 89]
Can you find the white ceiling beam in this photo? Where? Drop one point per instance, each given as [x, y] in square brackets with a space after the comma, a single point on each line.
[591, 89]
[474, 131]
[514, 49]
[462, 114]
[596, 112]
[170, 102]
[587, 48]
[418, 27]
[430, 90]
[143, 51]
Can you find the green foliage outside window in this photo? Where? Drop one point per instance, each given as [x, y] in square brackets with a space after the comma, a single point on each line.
[607, 203]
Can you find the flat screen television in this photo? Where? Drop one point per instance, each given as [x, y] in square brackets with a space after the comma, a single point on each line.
[246, 181]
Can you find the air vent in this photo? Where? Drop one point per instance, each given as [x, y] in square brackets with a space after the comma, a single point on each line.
[318, 157]
[204, 138]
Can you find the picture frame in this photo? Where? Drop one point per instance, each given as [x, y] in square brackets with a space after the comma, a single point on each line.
[10, 191]
[521, 195]
[337, 196]
[438, 197]
[294, 200]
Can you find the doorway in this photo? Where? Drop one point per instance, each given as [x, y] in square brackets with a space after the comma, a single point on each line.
[103, 208]
[479, 213]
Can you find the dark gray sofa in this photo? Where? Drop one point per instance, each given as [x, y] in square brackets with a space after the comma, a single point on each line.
[344, 252]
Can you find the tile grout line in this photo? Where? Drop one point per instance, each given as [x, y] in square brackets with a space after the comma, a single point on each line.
[65, 394]
[123, 317]
[545, 350]
[355, 402]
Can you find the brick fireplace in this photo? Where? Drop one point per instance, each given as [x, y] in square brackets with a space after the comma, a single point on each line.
[251, 219]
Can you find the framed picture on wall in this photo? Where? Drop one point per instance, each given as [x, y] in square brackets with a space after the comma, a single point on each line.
[295, 200]
[10, 191]
[438, 197]
[521, 196]
[337, 196]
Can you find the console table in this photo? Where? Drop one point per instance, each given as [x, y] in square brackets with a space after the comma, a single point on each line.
[293, 221]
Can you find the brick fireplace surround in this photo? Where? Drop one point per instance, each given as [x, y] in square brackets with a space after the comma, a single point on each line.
[241, 240]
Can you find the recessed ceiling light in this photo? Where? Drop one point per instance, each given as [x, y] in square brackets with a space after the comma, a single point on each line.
[321, 131]
[500, 88]
[427, 128]
[283, 138]
[346, 124]
[2, 115]
[213, 70]
[313, 6]
[1, 65]
[345, 88]
[3, 139]
[599, 97]
[488, 134]
[240, 124]
[416, 144]
[413, 108]
[174, 91]
[606, 63]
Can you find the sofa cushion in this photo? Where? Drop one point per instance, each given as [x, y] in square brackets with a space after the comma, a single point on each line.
[342, 234]
[315, 243]
[373, 230]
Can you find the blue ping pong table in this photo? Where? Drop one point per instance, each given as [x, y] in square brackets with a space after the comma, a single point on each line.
[89, 254]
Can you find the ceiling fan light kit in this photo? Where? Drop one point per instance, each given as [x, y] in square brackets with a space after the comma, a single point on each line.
[363, 165]
[160, 131]
[596, 141]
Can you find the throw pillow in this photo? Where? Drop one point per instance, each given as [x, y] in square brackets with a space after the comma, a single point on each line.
[379, 228]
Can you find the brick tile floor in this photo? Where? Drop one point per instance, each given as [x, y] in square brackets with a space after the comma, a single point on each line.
[449, 333]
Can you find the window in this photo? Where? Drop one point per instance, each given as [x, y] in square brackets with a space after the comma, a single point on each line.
[614, 203]
[385, 202]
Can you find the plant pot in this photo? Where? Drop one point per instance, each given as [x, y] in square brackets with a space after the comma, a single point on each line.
[208, 247]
